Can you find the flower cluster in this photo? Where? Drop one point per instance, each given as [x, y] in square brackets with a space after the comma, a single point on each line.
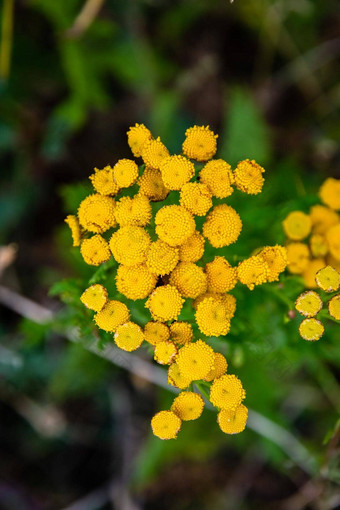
[158, 248]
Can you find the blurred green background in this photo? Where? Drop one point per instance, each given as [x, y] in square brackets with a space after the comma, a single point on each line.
[74, 428]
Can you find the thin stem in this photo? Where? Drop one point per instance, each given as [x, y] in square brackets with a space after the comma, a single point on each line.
[6, 38]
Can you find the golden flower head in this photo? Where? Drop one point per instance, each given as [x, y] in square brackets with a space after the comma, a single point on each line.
[165, 303]
[154, 152]
[219, 368]
[218, 176]
[322, 218]
[333, 240]
[318, 245]
[152, 186]
[309, 273]
[95, 250]
[328, 279]
[181, 332]
[188, 405]
[200, 143]
[311, 329]
[129, 245]
[176, 378]
[193, 248]
[228, 301]
[298, 257]
[222, 226]
[212, 318]
[196, 197]
[189, 279]
[195, 360]
[138, 135]
[96, 213]
[156, 332]
[330, 193]
[129, 336]
[73, 223]
[135, 282]
[103, 181]
[133, 211]
[176, 171]
[253, 271]
[95, 297]
[233, 421]
[162, 258]
[166, 425]
[165, 352]
[297, 225]
[174, 224]
[334, 307]
[221, 276]
[227, 392]
[309, 303]
[276, 260]
[248, 177]
[112, 315]
[125, 173]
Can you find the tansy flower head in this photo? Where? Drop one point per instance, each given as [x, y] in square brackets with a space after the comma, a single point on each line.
[219, 368]
[153, 153]
[94, 298]
[222, 226]
[137, 136]
[193, 248]
[297, 225]
[165, 352]
[133, 211]
[334, 307]
[227, 392]
[221, 276]
[96, 213]
[181, 332]
[73, 223]
[152, 186]
[112, 315]
[309, 303]
[333, 240]
[211, 317]
[95, 250]
[200, 143]
[311, 329]
[129, 245]
[276, 259]
[328, 279]
[176, 378]
[156, 332]
[229, 302]
[309, 273]
[188, 405]
[125, 173]
[330, 193]
[218, 176]
[233, 422]
[135, 282]
[174, 224]
[162, 258]
[196, 197]
[298, 257]
[165, 303]
[166, 425]
[176, 171]
[129, 336]
[195, 360]
[189, 279]
[322, 218]
[318, 245]
[248, 177]
[103, 181]
[253, 271]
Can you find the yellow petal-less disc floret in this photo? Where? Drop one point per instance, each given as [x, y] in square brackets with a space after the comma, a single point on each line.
[166, 425]
[195, 360]
[318, 245]
[188, 405]
[309, 273]
[233, 422]
[228, 301]
[135, 282]
[176, 378]
[221, 276]
[96, 213]
[333, 240]
[174, 224]
[297, 225]
[298, 257]
[165, 352]
[103, 181]
[218, 176]
[227, 392]
[309, 303]
[112, 315]
[95, 250]
[125, 173]
[154, 152]
[189, 279]
[138, 135]
[193, 248]
[176, 171]
[311, 329]
[211, 317]
[253, 271]
[219, 368]
[133, 211]
[181, 332]
[156, 332]
[95, 297]
[162, 258]
[322, 218]
[196, 197]
[165, 303]
[248, 177]
[222, 226]
[328, 279]
[334, 307]
[330, 193]
[129, 336]
[276, 259]
[129, 245]
[200, 143]
[152, 186]
[73, 223]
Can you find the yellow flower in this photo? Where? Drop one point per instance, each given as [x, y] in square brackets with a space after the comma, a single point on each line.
[129, 336]
[125, 173]
[96, 213]
[199, 143]
[165, 352]
[161, 258]
[94, 298]
[196, 197]
[166, 425]
[248, 177]
[227, 392]
[228, 301]
[73, 223]
[138, 135]
[297, 225]
[133, 211]
[95, 250]
[328, 279]
[221, 276]
[151, 185]
[222, 226]
[310, 272]
[334, 307]
[135, 282]
[309, 303]
[188, 405]
[298, 257]
[103, 181]
[219, 368]
[154, 151]
[129, 245]
[195, 360]
[211, 317]
[218, 176]
[176, 378]
[165, 303]
[333, 239]
[233, 421]
[156, 332]
[318, 245]
[253, 271]
[189, 279]
[322, 218]
[181, 332]
[174, 224]
[112, 315]
[193, 248]
[176, 171]
[276, 259]
[330, 193]
[311, 329]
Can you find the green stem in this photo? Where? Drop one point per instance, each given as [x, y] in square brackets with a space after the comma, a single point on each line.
[6, 38]
[203, 391]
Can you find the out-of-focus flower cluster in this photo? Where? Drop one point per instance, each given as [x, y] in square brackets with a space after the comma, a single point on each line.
[159, 253]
